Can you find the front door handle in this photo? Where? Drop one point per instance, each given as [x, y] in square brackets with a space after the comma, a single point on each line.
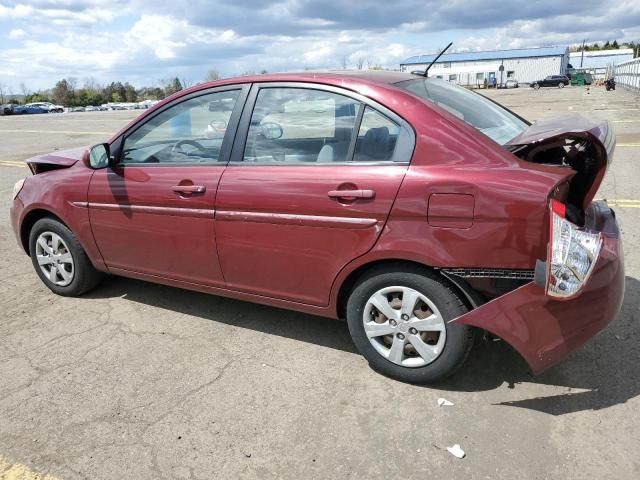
[189, 188]
[352, 194]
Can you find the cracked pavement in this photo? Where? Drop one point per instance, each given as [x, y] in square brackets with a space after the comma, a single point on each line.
[143, 381]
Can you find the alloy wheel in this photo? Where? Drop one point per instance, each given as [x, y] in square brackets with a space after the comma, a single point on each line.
[404, 326]
[54, 258]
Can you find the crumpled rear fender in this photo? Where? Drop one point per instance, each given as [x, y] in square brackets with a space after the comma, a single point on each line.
[543, 330]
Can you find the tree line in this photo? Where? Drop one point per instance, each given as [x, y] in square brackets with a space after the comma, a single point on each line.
[594, 47]
[68, 93]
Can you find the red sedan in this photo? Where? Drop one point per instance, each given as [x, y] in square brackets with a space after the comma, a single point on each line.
[419, 211]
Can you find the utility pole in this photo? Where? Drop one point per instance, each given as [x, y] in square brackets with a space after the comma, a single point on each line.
[582, 56]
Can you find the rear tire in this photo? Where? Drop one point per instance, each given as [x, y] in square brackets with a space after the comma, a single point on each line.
[422, 347]
[59, 259]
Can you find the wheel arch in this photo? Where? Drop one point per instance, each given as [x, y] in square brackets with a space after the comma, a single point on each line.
[30, 220]
[348, 284]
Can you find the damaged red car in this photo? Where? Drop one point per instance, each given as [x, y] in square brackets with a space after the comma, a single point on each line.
[421, 212]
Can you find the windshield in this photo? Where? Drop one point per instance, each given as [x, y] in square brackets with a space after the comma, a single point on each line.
[494, 121]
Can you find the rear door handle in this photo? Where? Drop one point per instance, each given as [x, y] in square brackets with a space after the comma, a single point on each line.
[189, 188]
[352, 194]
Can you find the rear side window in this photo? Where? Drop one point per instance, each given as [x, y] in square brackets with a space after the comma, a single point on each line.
[377, 138]
[299, 125]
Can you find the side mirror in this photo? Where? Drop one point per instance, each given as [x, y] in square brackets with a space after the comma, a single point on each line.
[99, 156]
[271, 130]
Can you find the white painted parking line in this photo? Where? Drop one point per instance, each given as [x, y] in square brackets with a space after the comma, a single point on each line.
[10, 163]
[63, 132]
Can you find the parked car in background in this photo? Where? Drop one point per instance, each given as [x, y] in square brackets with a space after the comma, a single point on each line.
[91, 108]
[551, 81]
[418, 210]
[30, 109]
[509, 83]
[8, 109]
[76, 109]
[48, 106]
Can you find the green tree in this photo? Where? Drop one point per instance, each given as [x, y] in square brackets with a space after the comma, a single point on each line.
[63, 93]
[172, 86]
[130, 94]
[615, 45]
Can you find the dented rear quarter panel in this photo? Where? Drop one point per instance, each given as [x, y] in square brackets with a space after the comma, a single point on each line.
[545, 331]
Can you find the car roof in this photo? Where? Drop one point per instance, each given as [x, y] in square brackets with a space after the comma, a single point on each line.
[344, 78]
[365, 82]
[375, 76]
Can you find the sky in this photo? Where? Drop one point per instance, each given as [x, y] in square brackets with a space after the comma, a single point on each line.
[144, 42]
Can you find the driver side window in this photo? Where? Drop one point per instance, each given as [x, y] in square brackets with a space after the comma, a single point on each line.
[188, 132]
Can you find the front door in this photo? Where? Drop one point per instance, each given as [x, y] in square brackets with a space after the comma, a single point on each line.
[153, 211]
[313, 176]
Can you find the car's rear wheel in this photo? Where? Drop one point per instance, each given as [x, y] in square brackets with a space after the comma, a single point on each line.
[398, 320]
[59, 259]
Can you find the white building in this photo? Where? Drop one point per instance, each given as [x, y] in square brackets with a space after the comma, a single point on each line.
[599, 62]
[472, 68]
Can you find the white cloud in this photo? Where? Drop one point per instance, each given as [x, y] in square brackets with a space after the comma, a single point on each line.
[121, 40]
[16, 33]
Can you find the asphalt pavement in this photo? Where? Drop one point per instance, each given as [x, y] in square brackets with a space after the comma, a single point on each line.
[143, 381]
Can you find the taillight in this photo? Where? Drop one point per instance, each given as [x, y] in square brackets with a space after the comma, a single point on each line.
[572, 254]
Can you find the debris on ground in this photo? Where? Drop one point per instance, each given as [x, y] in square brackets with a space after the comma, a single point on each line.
[456, 451]
[445, 402]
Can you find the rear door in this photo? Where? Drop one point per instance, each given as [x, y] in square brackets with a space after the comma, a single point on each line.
[313, 175]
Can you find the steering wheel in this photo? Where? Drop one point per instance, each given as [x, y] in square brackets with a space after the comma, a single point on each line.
[177, 147]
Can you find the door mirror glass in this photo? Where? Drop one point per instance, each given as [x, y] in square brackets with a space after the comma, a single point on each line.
[99, 156]
[271, 130]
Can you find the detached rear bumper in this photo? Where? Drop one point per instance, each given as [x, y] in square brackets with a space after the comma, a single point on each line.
[543, 330]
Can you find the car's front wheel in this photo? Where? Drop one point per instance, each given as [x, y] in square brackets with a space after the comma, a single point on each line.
[399, 321]
[59, 259]
[561, 85]
[536, 86]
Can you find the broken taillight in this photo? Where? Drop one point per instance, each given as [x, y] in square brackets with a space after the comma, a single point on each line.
[572, 254]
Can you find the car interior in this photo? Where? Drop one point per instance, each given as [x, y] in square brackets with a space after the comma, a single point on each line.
[289, 125]
[319, 131]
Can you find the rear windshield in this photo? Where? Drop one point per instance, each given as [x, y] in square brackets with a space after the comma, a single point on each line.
[494, 121]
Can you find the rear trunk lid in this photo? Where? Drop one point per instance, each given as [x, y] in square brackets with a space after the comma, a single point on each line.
[575, 142]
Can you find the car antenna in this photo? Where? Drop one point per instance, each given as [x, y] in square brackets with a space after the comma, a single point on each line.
[426, 70]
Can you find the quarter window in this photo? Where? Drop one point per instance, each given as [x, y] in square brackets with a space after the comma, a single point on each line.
[189, 132]
[298, 125]
[377, 138]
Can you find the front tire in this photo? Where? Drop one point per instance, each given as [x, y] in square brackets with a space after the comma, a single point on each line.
[398, 320]
[536, 86]
[561, 85]
[59, 259]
